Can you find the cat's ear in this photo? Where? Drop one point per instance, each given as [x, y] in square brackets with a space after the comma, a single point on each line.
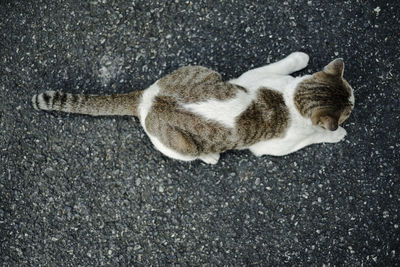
[336, 67]
[329, 122]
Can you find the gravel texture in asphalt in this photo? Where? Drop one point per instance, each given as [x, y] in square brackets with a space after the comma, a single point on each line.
[78, 190]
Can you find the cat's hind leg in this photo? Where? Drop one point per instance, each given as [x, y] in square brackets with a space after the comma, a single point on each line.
[177, 145]
[186, 146]
[210, 158]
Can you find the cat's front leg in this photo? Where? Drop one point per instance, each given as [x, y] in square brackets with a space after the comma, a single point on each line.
[292, 63]
[290, 144]
[334, 136]
[321, 136]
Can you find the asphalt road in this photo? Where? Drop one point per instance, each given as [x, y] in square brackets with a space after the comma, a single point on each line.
[77, 190]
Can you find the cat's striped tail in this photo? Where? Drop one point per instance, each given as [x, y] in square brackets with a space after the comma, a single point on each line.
[95, 105]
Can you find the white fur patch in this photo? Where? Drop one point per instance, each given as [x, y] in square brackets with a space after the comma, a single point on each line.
[210, 158]
[222, 111]
[146, 101]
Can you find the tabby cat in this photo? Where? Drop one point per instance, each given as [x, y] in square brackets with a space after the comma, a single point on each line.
[193, 114]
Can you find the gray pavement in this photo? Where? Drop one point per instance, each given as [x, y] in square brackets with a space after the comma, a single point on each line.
[83, 191]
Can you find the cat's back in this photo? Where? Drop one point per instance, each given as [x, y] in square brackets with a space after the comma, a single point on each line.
[192, 84]
[199, 91]
[191, 110]
[193, 107]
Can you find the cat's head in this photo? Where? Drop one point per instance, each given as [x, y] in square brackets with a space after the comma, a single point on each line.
[326, 97]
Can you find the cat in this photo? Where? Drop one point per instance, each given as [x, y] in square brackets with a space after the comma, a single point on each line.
[193, 114]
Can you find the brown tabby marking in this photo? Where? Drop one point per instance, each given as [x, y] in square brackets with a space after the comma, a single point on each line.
[267, 117]
[196, 84]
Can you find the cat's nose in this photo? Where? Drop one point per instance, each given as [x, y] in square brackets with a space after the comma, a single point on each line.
[333, 127]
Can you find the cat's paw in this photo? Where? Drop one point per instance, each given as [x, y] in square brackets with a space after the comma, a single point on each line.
[210, 158]
[300, 60]
[337, 135]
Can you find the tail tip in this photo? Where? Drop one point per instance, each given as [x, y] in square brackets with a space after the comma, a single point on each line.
[43, 101]
[35, 102]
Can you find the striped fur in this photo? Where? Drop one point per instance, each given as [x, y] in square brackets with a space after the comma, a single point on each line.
[95, 105]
